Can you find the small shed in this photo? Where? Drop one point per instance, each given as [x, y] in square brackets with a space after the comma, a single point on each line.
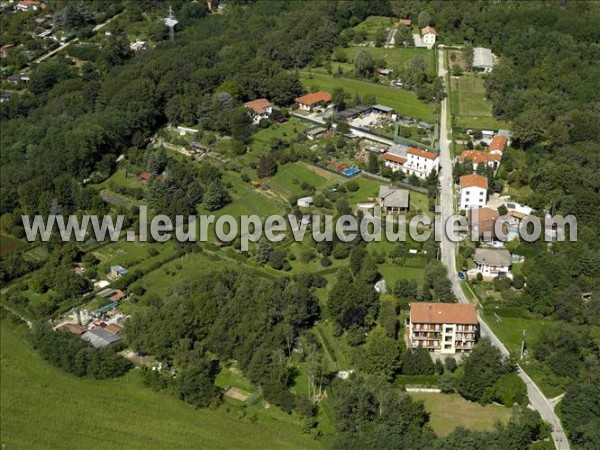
[305, 202]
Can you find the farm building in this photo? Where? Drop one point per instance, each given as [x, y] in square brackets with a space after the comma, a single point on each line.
[315, 133]
[117, 271]
[99, 337]
[393, 199]
[483, 59]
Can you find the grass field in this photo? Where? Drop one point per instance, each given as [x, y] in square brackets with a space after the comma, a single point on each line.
[395, 58]
[448, 411]
[372, 24]
[10, 244]
[289, 177]
[392, 273]
[286, 131]
[404, 102]
[44, 408]
[469, 106]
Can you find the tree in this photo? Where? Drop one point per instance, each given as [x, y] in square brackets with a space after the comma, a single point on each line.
[417, 362]
[424, 19]
[339, 98]
[482, 368]
[216, 196]
[264, 250]
[266, 167]
[510, 389]
[364, 64]
[450, 363]
[380, 37]
[373, 163]
[406, 289]
[381, 355]
[277, 259]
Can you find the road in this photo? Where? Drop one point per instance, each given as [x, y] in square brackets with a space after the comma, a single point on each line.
[448, 249]
[66, 44]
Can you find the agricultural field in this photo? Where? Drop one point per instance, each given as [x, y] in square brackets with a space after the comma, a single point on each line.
[448, 411]
[10, 244]
[130, 415]
[404, 102]
[395, 58]
[469, 107]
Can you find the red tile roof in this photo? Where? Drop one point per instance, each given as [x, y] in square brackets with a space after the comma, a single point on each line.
[477, 156]
[259, 105]
[473, 180]
[427, 30]
[446, 313]
[498, 143]
[394, 158]
[405, 22]
[314, 98]
[423, 153]
[144, 176]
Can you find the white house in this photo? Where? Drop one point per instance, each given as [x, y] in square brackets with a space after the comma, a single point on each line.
[420, 162]
[393, 161]
[428, 34]
[261, 108]
[473, 191]
[493, 263]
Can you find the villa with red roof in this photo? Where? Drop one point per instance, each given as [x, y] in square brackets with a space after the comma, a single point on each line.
[261, 108]
[498, 145]
[309, 101]
[446, 328]
[420, 162]
[477, 157]
[428, 34]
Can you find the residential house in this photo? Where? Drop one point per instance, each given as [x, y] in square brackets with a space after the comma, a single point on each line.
[117, 271]
[309, 101]
[394, 161]
[261, 108]
[477, 157]
[29, 5]
[315, 133]
[18, 78]
[517, 211]
[420, 162]
[483, 59]
[404, 22]
[445, 328]
[5, 96]
[498, 145]
[482, 222]
[473, 191]
[5, 50]
[305, 202]
[492, 263]
[429, 35]
[393, 199]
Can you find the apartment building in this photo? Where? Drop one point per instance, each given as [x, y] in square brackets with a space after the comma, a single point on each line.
[446, 328]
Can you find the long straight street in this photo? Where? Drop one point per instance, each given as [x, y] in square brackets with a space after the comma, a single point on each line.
[448, 249]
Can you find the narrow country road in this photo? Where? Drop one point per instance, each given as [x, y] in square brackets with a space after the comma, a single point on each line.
[448, 250]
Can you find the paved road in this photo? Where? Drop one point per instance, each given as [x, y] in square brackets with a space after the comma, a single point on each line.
[448, 249]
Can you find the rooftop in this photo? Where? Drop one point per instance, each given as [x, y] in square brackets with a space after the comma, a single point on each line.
[428, 30]
[314, 98]
[482, 58]
[473, 180]
[393, 197]
[492, 257]
[99, 337]
[315, 130]
[444, 313]
[259, 105]
[394, 158]
[477, 156]
[498, 143]
[422, 153]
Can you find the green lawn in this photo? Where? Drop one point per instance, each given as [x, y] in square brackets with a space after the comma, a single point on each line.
[10, 244]
[448, 411]
[404, 102]
[367, 188]
[286, 131]
[469, 106]
[395, 58]
[289, 177]
[44, 408]
[392, 273]
[372, 24]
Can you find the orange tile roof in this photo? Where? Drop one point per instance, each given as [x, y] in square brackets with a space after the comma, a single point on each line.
[498, 143]
[473, 180]
[427, 30]
[423, 153]
[259, 105]
[477, 156]
[446, 313]
[405, 22]
[394, 158]
[314, 98]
